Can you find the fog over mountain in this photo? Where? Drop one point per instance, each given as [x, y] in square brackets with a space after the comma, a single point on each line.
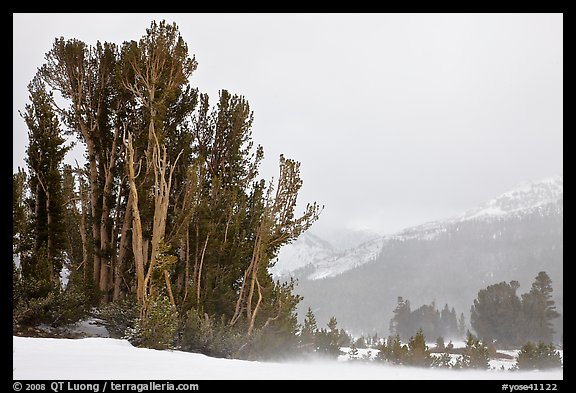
[511, 237]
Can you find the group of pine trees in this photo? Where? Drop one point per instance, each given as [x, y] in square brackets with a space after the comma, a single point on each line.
[322, 341]
[500, 316]
[434, 323]
[417, 353]
[167, 220]
[476, 354]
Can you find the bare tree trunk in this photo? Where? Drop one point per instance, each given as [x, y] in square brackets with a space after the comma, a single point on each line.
[161, 200]
[256, 260]
[244, 301]
[243, 298]
[196, 257]
[187, 266]
[137, 249]
[137, 241]
[54, 275]
[181, 273]
[114, 246]
[162, 191]
[104, 260]
[276, 216]
[200, 271]
[105, 246]
[105, 252]
[83, 228]
[169, 287]
[257, 308]
[122, 248]
[93, 178]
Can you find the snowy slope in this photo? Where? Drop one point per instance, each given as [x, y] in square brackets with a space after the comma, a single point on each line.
[310, 250]
[523, 199]
[347, 260]
[307, 249]
[110, 359]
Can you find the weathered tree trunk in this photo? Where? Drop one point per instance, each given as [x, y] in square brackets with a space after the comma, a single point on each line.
[187, 266]
[169, 287]
[198, 288]
[244, 301]
[93, 178]
[139, 245]
[84, 263]
[196, 257]
[122, 249]
[258, 303]
[137, 238]
[54, 275]
[105, 246]
[276, 226]
[161, 200]
[105, 262]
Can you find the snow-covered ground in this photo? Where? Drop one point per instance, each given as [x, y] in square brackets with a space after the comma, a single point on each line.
[495, 364]
[106, 358]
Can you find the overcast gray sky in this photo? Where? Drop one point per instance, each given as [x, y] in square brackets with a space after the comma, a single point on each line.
[397, 118]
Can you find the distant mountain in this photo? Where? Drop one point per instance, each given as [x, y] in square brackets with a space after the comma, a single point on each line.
[307, 249]
[311, 249]
[522, 200]
[511, 237]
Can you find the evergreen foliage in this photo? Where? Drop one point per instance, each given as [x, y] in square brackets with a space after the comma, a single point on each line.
[203, 334]
[119, 317]
[360, 342]
[393, 351]
[538, 357]
[158, 329]
[495, 315]
[407, 322]
[538, 310]
[308, 332]
[168, 209]
[328, 341]
[418, 353]
[440, 343]
[499, 316]
[475, 355]
[462, 325]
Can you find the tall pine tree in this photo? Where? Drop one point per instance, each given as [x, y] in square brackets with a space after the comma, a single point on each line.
[309, 330]
[496, 314]
[538, 310]
[44, 156]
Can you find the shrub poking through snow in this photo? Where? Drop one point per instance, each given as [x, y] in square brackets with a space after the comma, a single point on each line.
[538, 357]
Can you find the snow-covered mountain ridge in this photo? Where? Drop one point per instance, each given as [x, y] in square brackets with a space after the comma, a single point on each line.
[312, 258]
[526, 198]
[522, 199]
[311, 249]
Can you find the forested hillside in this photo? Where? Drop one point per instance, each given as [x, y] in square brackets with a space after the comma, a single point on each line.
[447, 262]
